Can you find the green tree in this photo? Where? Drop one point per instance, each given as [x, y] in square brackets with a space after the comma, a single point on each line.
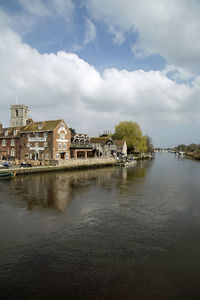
[192, 147]
[131, 132]
[149, 144]
[105, 134]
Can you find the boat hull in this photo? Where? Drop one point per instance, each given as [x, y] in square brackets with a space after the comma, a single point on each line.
[5, 175]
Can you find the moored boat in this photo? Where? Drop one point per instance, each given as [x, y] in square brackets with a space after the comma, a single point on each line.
[6, 175]
[129, 163]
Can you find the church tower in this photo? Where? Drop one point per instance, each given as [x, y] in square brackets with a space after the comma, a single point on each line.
[18, 115]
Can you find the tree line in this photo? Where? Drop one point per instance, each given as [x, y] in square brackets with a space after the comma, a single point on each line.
[190, 148]
[132, 134]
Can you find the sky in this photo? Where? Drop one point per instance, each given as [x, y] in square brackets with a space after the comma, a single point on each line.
[95, 63]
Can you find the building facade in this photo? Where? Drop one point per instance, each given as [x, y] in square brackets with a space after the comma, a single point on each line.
[107, 147]
[10, 143]
[47, 140]
[81, 147]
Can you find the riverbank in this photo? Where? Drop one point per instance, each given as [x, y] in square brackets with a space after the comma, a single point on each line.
[71, 164]
[192, 155]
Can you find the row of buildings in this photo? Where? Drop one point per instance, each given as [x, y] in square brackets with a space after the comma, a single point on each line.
[50, 140]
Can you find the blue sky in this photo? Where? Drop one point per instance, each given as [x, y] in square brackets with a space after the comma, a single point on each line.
[97, 62]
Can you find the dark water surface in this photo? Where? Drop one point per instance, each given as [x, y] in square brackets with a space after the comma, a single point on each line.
[131, 233]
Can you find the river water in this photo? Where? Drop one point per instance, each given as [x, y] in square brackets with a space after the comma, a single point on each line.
[113, 233]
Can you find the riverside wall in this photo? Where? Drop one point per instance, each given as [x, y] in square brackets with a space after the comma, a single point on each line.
[65, 165]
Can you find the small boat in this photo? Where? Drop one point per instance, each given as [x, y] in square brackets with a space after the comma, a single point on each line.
[129, 163]
[6, 175]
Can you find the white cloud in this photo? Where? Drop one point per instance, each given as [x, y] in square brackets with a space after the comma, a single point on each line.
[41, 8]
[64, 8]
[36, 7]
[64, 86]
[90, 33]
[170, 28]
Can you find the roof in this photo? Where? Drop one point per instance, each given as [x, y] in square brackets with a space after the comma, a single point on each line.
[80, 135]
[119, 143]
[46, 126]
[10, 132]
[104, 140]
[99, 140]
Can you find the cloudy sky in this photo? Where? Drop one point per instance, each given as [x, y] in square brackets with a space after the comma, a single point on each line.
[97, 62]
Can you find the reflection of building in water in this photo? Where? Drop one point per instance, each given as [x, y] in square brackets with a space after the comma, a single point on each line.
[55, 190]
[48, 191]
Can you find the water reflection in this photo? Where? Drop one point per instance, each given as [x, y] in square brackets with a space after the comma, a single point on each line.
[55, 190]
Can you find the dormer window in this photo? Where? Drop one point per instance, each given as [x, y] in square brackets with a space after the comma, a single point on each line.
[6, 132]
[62, 125]
[39, 126]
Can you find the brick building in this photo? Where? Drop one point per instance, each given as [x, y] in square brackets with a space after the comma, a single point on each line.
[10, 142]
[47, 140]
[26, 140]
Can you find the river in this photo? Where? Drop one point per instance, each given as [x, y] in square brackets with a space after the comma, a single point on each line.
[112, 233]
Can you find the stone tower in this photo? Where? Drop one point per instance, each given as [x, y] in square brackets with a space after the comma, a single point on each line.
[18, 115]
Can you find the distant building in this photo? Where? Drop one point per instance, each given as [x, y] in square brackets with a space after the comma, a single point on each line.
[108, 147]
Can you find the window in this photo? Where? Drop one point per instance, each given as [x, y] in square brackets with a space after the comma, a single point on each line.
[64, 146]
[15, 132]
[12, 142]
[8, 151]
[45, 144]
[37, 134]
[3, 143]
[28, 145]
[57, 156]
[36, 144]
[82, 142]
[6, 132]
[12, 152]
[42, 155]
[59, 146]
[62, 125]
[39, 126]
[17, 113]
[62, 136]
[28, 135]
[46, 134]
[47, 156]
[31, 156]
